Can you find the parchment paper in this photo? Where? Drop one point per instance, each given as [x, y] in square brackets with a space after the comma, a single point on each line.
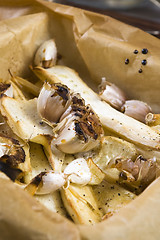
[96, 46]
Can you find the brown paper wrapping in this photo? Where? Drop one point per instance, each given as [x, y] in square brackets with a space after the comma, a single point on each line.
[95, 46]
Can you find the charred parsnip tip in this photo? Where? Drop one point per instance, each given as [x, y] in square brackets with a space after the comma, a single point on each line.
[81, 130]
[78, 171]
[53, 101]
[111, 94]
[6, 89]
[136, 109]
[46, 55]
[12, 157]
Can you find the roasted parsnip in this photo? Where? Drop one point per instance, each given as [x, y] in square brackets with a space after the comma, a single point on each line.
[110, 118]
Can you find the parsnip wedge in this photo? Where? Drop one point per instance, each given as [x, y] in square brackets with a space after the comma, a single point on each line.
[111, 197]
[23, 119]
[17, 93]
[112, 148]
[55, 157]
[39, 164]
[26, 123]
[113, 120]
[81, 204]
[26, 85]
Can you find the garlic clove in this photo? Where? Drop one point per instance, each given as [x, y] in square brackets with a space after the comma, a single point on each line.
[136, 109]
[78, 172]
[50, 182]
[81, 132]
[52, 102]
[6, 89]
[46, 55]
[111, 94]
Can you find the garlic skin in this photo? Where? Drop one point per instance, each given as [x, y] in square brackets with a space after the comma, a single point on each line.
[152, 120]
[80, 132]
[51, 182]
[53, 101]
[111, 94]
[46, 55]
[6, 89]
[78, 171]
[136, 109]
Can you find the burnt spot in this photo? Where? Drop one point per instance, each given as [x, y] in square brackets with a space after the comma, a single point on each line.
[15, 159]
[141, 158]
[4, 87]
[80, 132]
[76, 99]
[15, 154]
[78, 115]
[37, 180]
[61, 90]
[79, 109]
[12, 173]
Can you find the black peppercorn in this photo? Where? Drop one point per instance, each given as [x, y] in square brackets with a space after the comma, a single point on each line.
[144, 51]
[126, 61]
[144, 62]
[140, 70]
[135, 51]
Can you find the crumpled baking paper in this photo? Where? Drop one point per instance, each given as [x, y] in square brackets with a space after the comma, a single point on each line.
[95, 46]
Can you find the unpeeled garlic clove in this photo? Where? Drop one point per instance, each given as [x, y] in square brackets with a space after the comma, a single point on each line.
[6, 89]
[136, 109]
[111, 94]
[78, 171]
[80, 133]
[53, 101]
[46, 55]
